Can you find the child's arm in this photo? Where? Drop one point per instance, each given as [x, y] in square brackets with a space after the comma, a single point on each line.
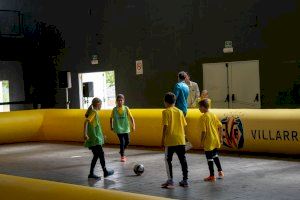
[131, 118]
[203, 130]
[133, 123]
[85, 135]
[185, 131]
[163, 135]
[184, 126]
[165, 124]
[203, 135]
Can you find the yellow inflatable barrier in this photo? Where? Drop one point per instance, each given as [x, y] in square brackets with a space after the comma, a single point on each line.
[21, 126]
[19, 188]
[251, 130]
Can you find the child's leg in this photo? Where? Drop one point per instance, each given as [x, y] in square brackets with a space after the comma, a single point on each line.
[100, 154]
[122, 143]
[210, 162]
[216, 159]
[169, 151]
[94, 160]
[180, 151]
[126, 140]
[106, 172]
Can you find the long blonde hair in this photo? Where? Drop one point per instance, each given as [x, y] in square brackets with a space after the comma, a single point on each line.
[95, 101]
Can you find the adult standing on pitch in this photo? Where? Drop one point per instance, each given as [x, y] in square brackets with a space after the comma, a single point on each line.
[194, 93]
[181, 90]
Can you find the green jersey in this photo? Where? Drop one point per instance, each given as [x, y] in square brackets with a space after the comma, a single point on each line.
[121, 123]
[94, 130]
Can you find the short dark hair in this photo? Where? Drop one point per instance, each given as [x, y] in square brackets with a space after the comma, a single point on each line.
[120, 96]
[181, 75]
[204, 103]
[170, 98]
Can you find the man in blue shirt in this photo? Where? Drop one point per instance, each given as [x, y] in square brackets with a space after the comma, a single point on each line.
[181, 90]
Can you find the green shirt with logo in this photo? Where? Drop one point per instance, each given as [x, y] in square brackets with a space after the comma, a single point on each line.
[94, 130]
[121, 123]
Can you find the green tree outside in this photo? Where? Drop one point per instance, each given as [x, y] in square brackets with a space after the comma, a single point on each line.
[5, 89]
[110, 78]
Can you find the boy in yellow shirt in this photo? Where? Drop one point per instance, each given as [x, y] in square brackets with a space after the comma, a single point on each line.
[211, 139]
[173, 139]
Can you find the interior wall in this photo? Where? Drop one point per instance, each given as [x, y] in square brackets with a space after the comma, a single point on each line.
[174, 36]
[170, 36]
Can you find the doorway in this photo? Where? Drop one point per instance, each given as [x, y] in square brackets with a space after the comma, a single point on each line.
[233, 84]
[4, 95]
[97, 84]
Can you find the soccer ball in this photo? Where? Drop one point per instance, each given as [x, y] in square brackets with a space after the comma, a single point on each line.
[138, 169]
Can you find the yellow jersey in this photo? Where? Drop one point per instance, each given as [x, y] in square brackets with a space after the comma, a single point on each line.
[174, 119]
[209, 123]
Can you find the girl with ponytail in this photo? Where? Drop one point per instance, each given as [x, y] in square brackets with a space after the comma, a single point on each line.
[93, 138]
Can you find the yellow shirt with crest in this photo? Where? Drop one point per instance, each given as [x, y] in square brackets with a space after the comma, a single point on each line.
[209, 123]
[174, 119]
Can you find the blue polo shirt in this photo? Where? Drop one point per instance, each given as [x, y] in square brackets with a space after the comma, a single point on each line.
[181, 91]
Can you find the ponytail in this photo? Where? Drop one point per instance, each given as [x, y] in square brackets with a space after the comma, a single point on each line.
[88, 111]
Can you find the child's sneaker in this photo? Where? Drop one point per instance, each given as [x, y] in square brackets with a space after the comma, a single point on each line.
[168, 184]
[210, 178]
[221, 175]
[108, 173]
[94, 176]
[184, 183]
[123, 159]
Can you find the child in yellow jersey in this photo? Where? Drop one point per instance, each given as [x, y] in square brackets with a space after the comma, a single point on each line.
[119, 123]
[93, 138]
[204, 95]
[173, 139]
[211, 139]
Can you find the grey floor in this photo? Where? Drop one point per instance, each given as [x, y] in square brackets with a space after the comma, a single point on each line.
[246, 177]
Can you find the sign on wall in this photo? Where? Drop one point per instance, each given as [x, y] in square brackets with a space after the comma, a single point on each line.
[228, 47]
[95, 60]
[228, 44]
[139, 67]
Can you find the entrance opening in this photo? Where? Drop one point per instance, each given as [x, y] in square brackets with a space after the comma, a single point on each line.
[4, 95]
[97, 84]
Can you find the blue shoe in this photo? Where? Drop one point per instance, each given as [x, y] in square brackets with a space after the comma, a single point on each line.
[168, 184]
[108, 173]
[184, 183]
[94, 176]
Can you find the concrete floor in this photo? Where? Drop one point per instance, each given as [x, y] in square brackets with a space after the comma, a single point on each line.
[246, 177]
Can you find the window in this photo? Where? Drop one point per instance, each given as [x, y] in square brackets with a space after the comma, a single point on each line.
[4, 95]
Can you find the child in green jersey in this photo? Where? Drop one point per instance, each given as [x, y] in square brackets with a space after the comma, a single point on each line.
[93, 138]
[119, 123]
